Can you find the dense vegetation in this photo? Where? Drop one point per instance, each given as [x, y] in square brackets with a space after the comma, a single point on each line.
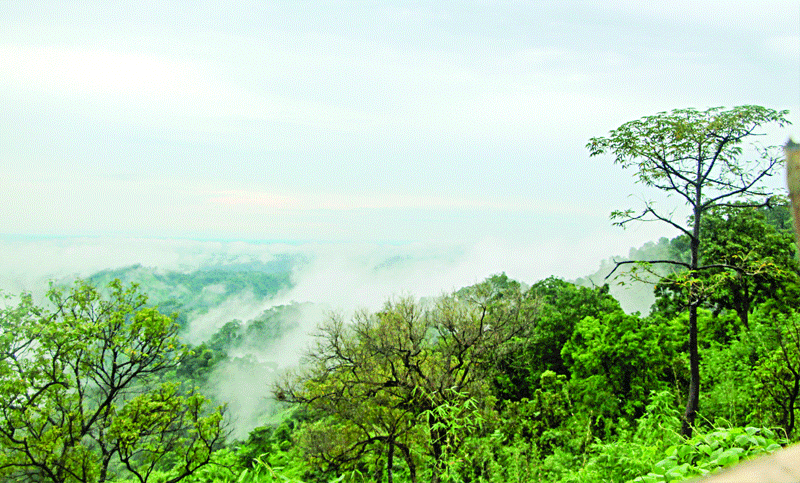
[88, 391]
[495, 382]
[193, 293]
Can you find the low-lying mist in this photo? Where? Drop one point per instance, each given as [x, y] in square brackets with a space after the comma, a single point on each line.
[324, 278]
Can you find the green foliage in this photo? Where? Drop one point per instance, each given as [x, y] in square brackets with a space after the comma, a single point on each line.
[664, 147]
[456, 418]
[492, 383]
[612, 416]
[705, 453]
[260, 442]
[561, 306]
[401, 380]
[193, 293]
[254, 334]
[633, 453]
[752, 261]
[619, 359]
[82, 395]
[546, 419]
[198, 363]
[778, 370]
[729, 371]
[517, 441]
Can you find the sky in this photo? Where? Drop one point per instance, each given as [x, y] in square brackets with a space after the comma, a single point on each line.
[377, 124]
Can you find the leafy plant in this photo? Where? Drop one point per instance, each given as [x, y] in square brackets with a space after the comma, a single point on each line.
[707, 452]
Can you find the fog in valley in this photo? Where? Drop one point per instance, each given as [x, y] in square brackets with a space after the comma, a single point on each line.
[325, 278]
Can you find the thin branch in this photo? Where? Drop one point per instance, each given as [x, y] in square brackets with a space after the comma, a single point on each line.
[629, 262]
[674, 262]
[649, 210]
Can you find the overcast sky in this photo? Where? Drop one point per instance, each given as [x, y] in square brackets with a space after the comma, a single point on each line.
[400, 122]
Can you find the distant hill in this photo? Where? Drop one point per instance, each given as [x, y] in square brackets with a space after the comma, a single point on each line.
[192, 294]
[246, 333]
[633, 295]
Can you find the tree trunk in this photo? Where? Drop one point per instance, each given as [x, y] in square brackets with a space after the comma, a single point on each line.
[437, 446]
[792, 402]
[741, 301]
[390, 462]
[693, 400]
[412, 468]
[694, 379]
[436, 466]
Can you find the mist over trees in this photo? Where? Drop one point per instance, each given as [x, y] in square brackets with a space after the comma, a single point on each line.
[500, 380]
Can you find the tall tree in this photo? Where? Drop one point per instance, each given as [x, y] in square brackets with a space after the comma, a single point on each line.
[699, 156]
[83, 393]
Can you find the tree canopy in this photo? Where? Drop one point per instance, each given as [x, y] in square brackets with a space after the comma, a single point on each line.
[84, 392]
[409, 377]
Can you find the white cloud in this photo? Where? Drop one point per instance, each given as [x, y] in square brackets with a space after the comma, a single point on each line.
[150, 88]
[314, 117]
[320, 82]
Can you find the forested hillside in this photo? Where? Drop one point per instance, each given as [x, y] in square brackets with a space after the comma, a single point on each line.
[193, 293]
[493, 382]
[635, 295]
[112, 378]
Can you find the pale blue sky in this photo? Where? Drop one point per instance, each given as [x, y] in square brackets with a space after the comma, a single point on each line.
[452, 122]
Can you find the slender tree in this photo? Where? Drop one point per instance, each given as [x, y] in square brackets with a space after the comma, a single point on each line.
[699, 156]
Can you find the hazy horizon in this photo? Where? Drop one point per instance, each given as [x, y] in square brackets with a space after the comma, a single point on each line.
[457, 127]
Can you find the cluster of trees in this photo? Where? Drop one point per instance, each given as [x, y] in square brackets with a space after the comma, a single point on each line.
[89, 393]
[193, 293]
[409, 380]
[578, 373]
[495, 382]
